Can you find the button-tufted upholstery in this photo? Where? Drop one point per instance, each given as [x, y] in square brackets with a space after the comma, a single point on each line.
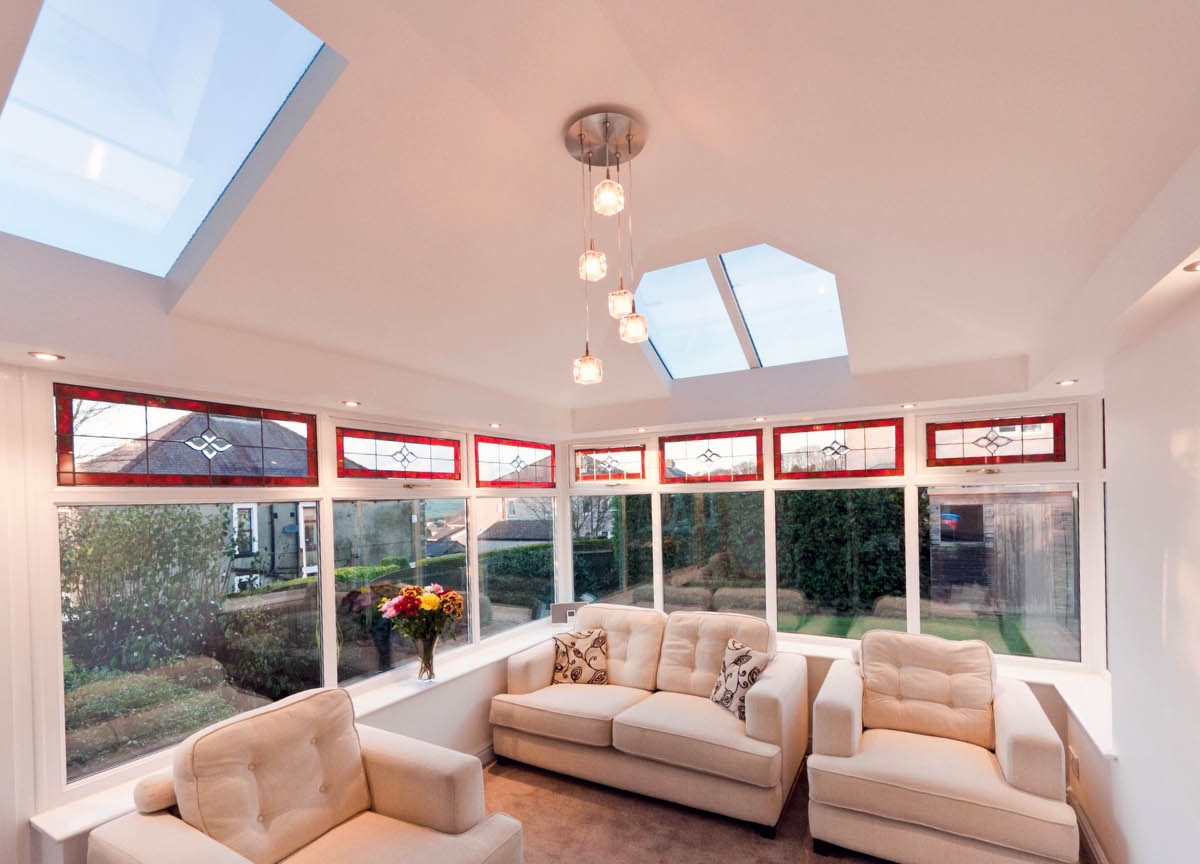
[634, 638]
[271, 781]
[929, 686]
[693, 648]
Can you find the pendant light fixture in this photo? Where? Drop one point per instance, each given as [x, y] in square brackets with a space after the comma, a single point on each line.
[588, 369]
[590, 137]
[634, 327]
[608, 198]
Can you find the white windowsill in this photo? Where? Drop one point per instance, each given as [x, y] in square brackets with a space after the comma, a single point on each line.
[1088, 696]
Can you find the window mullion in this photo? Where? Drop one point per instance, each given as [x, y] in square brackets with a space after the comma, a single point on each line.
[912, 558]
[725, 289]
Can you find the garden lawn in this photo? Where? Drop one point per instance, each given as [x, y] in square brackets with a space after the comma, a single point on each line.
[1002, 636]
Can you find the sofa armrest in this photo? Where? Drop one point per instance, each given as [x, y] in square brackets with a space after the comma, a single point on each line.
[777, 710]
[1029, 750]
[837, 711]
[531, 669]
[152, 838]
[422, 783]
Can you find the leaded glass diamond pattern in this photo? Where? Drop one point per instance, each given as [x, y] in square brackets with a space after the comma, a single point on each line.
[836, 450]
[710, 455]
[610, 465]
[405, 456]
[719, 457]
[208, 443]
[992, 441]
[518, 463]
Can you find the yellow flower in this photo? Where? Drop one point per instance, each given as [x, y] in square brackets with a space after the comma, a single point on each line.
[430, 601]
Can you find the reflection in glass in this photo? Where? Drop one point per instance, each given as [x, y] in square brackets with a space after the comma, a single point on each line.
[713, 557]
[380, 546]
[840, 558]
[176, 616]
[612, 549]
[1001, 563]
[516, 560]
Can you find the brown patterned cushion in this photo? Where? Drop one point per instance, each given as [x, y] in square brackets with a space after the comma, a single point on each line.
[742, 667]
[581, 658]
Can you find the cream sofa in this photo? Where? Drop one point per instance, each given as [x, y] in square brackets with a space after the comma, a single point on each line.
[299, 782]
[921, 754]
[653, 728]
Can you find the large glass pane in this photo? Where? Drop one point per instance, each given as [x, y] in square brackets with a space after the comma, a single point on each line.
[126, 121]
[840, 559]
[1001, 563]
[713, 555]
[175, 616]
[689, 324]
[516, 560]
[790, 307]
[613, 549]
[380, 546]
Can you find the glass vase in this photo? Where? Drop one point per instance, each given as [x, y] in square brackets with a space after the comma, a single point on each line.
[425, 652]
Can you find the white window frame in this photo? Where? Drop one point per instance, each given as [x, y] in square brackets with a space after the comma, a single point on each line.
[252, 509]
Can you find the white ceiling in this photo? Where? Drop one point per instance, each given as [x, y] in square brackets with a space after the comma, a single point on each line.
[964, 170]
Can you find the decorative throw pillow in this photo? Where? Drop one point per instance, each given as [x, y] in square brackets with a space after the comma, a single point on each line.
[742, 667]
[581, 658]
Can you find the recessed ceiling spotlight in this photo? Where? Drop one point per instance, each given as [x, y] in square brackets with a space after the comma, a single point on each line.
[641, 428]
[46, 356]
[351, 403]
[1192, 267]
[907, 405]
[1067, 382]
[760, 419]
[494, 425]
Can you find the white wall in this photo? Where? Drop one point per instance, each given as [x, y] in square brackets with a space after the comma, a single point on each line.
[1154, 590]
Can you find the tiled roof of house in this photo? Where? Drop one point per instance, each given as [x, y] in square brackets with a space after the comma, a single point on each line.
[519, 530]
[167, 452]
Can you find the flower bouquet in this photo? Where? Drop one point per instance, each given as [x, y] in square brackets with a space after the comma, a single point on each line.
[424, 614]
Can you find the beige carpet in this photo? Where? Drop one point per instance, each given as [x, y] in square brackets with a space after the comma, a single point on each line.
[568, 820]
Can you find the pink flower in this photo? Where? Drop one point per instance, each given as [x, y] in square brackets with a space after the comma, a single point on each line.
[436, 589]
[388, 608]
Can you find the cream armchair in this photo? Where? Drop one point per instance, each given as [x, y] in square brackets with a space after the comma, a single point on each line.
[299, 782]
[921, 755]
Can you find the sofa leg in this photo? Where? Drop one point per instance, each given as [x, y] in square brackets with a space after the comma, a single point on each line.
[824, 847]
[767, 831]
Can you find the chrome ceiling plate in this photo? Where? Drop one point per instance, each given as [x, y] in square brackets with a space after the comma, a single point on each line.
[605, 134]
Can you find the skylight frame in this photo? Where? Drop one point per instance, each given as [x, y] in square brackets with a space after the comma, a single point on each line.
[722, 279]
[135, 141]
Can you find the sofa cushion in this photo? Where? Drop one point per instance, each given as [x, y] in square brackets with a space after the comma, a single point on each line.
[947, 785]
[634, 639]
[739, 672]
[695, 732]
[581, 657]
[928, 685]
[370, 837]
[582, 713]
[693, 648]
[270, 781]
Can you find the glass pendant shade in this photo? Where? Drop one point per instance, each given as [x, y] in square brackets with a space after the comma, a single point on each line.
[588, 369]
[608, 198]
[592, 265]
[634, 328]
[620, 302]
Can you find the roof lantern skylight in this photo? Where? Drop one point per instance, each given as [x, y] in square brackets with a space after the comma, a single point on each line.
[752, 307]
[126, 121]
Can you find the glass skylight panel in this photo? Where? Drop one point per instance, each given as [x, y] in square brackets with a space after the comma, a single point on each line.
[790, 307]
[126, 121]
[689, 324]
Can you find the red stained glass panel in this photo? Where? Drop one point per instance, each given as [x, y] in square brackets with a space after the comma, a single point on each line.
[1000, 441]
[510, 463]
[363, 453]
[116, 438]
[610, 463]
[714, 457]
[860, 448]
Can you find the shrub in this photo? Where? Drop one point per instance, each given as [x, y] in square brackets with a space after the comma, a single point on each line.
[519, 576]
[141, 585]
[118, 696]
[269, 653]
